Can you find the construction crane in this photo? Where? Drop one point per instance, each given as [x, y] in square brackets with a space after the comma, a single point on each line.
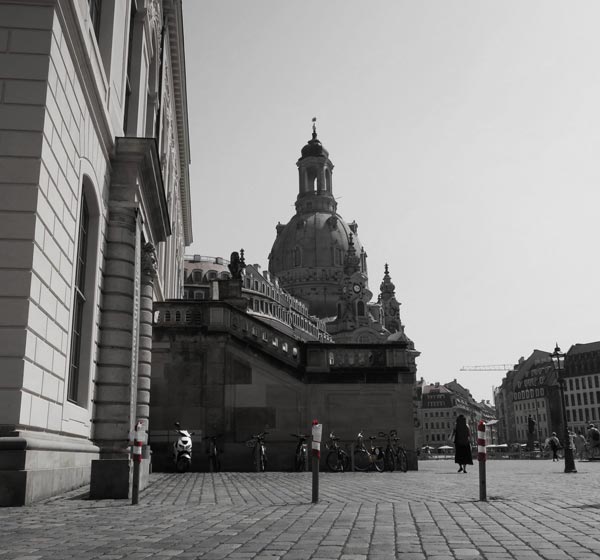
[494, 367]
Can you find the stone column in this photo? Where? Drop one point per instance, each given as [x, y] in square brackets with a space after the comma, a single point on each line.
[149, 271]
[116, 377]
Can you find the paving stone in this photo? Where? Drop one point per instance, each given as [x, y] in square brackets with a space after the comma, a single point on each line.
[412, 516]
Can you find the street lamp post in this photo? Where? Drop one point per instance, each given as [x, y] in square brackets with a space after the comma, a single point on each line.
[558, 361]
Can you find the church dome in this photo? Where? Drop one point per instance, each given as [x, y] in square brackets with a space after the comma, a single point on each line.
[309, 251]
[308, 258]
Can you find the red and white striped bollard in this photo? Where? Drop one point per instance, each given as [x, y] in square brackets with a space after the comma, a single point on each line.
[482, 458]
[136, 451]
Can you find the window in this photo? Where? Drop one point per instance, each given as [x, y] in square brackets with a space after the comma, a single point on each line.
[78, 304]
[95, 9]
[128, 77]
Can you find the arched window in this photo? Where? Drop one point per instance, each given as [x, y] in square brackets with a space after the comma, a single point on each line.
[84, 288]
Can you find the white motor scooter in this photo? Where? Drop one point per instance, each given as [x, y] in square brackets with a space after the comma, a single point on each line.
[182, 449]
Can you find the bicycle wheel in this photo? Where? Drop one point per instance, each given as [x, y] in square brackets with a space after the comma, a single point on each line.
[263, 459]
[333, 461]
[362, 460]
[389, 460]
[378, 459]
[300, 461]
[402, 460]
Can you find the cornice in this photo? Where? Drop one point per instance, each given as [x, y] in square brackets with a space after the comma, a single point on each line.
[142, 155]
[174, 20]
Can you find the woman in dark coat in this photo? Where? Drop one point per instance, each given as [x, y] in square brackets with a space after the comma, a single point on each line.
[462, 444]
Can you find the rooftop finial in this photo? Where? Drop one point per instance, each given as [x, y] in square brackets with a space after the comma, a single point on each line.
[314, 121]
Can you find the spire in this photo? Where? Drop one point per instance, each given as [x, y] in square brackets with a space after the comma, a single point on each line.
[351, 261]
[391, 306]
[314, 127]
[387, 286]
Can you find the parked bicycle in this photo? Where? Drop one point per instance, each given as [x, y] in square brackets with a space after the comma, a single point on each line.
[259, 451]
[394, 455]
[400, 454]
[367, 458]
[301, 455]
[213, 452]
[337, 459]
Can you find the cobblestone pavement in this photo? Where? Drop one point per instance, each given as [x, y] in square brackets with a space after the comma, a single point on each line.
[533, 511]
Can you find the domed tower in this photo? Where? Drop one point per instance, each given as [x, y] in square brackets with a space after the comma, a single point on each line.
[309, 251]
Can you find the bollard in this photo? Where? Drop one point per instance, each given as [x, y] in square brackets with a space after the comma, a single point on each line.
[317, 430]
[352, 457]
[481, 457]
[138, 442]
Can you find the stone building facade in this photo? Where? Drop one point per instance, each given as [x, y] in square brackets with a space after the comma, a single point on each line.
[219, 370]
[439, 406]
[531, 389]
[96, 214]
[582, 390]
[266, 299]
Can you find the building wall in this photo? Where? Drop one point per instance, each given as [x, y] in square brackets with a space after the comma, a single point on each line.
[62, 109]
[50, 152]
[532, 388]
[218, 370]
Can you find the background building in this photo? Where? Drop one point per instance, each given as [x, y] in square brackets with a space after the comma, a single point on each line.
[531, 388]
[439, 405]
[582, 390]
[95, 203]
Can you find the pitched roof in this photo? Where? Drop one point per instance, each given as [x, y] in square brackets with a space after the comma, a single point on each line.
[583, 348]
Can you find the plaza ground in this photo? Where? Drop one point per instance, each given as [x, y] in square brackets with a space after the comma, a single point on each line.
[533, 511]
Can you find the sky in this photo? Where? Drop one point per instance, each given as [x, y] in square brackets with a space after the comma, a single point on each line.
[465, 137]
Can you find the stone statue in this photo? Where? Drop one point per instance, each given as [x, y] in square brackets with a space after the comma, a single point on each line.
[149, 260]
[236, 264]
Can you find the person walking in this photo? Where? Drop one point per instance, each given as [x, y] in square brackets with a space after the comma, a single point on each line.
[554, 444]
[462, 444]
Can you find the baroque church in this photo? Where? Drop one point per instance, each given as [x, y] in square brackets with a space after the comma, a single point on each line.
[251, 350]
